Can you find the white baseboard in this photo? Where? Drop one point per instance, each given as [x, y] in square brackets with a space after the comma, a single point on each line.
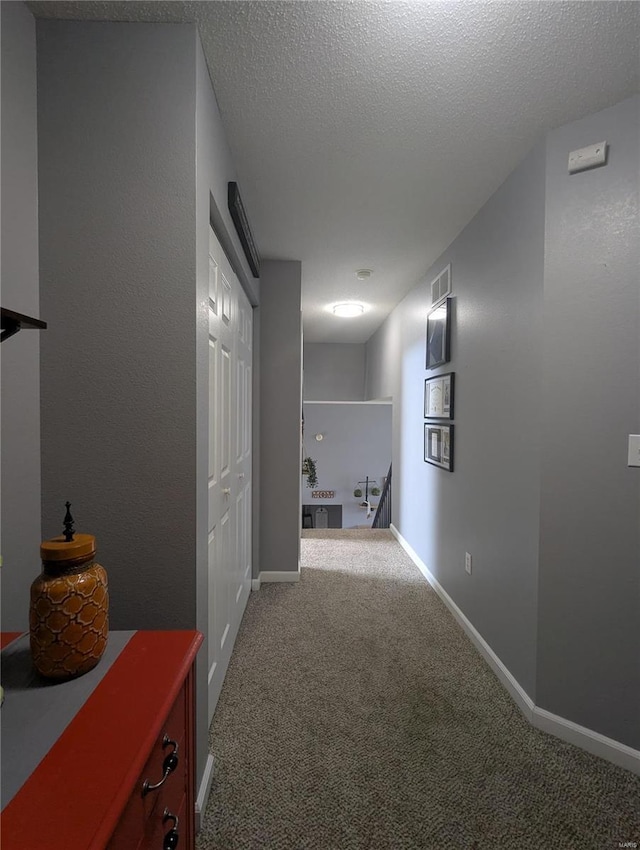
[519, 695]
[587, 739]
[203, 791]
[275, 575]
[567, 730]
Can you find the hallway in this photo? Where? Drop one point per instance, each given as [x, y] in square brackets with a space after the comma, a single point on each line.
[356, 715]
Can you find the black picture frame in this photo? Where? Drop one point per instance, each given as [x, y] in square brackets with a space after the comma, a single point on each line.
[438, 445]
[439, 334]
[439, 396]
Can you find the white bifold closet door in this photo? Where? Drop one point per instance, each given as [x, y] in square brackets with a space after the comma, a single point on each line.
[230, 346]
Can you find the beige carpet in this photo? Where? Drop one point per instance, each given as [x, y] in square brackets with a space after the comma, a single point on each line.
[356, 715]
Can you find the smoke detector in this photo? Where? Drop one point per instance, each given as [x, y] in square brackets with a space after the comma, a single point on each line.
[364, 274]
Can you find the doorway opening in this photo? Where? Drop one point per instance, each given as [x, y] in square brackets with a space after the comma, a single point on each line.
[349, 444]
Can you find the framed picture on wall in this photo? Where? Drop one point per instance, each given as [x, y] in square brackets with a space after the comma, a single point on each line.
[438, 334]
[438, 396]
[438, 445]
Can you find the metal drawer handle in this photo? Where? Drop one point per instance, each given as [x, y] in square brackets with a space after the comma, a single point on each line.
[168, 766]
[171, 838]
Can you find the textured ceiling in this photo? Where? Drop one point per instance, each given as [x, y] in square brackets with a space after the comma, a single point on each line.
[367, 134]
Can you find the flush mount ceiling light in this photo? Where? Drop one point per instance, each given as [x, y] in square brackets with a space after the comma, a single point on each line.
[348, 310]
[364, 274]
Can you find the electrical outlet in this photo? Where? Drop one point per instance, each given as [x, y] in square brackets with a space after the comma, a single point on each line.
[634, 450]
[467, 562]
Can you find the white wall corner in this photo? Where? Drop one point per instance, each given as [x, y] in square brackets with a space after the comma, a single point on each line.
[255, 584]
[203, 791]
[593, 742]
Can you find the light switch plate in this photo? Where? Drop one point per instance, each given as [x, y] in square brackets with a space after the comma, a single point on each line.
[634, 450]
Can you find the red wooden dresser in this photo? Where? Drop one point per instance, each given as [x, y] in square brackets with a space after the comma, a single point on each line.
[121, 774]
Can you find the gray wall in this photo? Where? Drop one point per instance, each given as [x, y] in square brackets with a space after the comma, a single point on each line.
[489, 505]
[280, 415]
[118, 285]
[135, 165]
[546, 350]
[333, 371]
[205, 115]
[589, 598]
[356, 443]
[20, 356]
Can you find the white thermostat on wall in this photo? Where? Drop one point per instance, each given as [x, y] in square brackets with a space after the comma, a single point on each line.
[589, 157]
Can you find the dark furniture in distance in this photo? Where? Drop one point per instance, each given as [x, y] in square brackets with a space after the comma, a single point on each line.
[313, 516]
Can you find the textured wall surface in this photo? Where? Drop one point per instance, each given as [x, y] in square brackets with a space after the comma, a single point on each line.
[589, 623]
[280, 415]
[118, 286]
[489, 505]
[205, 159]
[20, 356]
[333, 372]
[546, 350]
[349, 158]
[356, 443]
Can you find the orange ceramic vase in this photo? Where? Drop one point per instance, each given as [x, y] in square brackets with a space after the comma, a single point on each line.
[69, 613]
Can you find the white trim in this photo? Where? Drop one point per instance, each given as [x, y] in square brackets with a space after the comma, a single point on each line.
[255, 584]
[523, 700]
[203, 791]
[567, 730]
[277, 575]
[592, 742]
[369, 401]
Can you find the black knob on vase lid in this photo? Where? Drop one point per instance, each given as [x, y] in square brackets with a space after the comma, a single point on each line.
[68, 524]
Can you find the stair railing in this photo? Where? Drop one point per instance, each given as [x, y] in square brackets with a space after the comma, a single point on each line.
[382, 518]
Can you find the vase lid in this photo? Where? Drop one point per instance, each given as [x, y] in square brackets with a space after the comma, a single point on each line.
[69, 546]
[59, 549]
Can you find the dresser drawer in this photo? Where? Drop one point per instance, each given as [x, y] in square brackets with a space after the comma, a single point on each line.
[143, 806]
[158, 827]
[113, 740]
